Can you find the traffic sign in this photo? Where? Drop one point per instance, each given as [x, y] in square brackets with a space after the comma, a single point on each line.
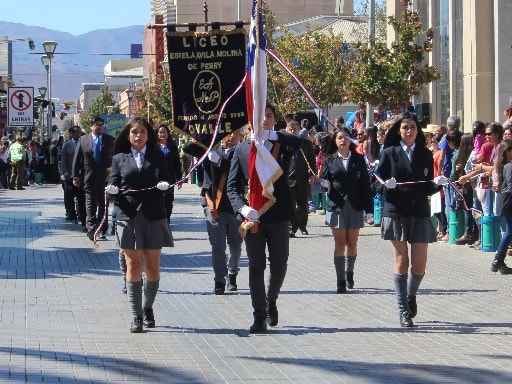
[20, 110]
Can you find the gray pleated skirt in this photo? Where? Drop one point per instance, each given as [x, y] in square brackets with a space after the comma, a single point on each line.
[346, 218]
[140, 233]
[410, 229]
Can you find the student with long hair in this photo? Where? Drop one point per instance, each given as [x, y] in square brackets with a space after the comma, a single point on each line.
[504, 171]
[407, 170]
[139, 179]
[348, 197]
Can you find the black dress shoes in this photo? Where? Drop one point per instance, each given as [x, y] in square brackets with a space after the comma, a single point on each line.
[149, 318]
[304, 231]
[232, 283]
[90, 235]
[406, 320]
[292, 235]
[342, 286]
[219, 288]
[136, 326]
[272, 314]
[350, 279]
[413, 307]
[259, 326]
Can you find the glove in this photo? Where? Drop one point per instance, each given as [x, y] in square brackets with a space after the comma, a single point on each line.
[214, 157]
[163, 185]
[324, 183]
[112, 189]
[390, 183]
[440, 180]
[249, 213]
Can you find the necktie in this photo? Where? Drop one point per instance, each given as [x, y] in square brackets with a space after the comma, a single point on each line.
[138, 159]
[97, 149]
[408, 152]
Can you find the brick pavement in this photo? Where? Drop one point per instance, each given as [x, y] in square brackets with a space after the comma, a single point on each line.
[64, 319]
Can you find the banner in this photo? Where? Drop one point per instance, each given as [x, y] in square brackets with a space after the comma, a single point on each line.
[205, 70]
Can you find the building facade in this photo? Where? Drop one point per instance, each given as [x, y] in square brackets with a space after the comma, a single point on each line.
[472, 51]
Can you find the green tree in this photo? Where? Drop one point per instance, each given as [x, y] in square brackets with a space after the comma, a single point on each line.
[389, 76]
[317, 57]
[98, 107]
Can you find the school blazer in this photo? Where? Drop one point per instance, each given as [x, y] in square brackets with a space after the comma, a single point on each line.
[411, 199]
[352, 183]
[127, 176]
[282, 210]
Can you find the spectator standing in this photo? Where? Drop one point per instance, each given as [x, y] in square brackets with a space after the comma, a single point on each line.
[17, 158]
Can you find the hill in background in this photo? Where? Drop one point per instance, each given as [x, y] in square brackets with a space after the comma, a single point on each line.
[78, 59]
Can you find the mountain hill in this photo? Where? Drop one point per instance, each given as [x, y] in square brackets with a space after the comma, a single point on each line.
[78, 59]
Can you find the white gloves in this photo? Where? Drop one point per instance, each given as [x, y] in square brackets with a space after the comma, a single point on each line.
[112, 189]
[440, 180]
[324, 183]
[163, 185]
[214, 157]
[266, 134]
[249, 213]
[390, 183]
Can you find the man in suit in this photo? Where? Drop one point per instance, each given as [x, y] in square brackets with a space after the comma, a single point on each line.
[221, 222]
[272, 225]
[301, 176]
[92, 159]
[66, 166]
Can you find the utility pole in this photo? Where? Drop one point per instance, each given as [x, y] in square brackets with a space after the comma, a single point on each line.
[371, 37]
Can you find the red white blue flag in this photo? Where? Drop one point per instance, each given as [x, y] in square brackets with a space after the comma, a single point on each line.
[263, 167]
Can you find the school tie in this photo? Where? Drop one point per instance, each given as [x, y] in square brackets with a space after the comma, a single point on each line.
[138, 159]
[408, 152]
[97, 149]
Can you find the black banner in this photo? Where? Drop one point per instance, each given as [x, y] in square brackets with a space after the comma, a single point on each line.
[205, 69]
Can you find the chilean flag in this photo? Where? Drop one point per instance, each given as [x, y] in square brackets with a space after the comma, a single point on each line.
[263, 167]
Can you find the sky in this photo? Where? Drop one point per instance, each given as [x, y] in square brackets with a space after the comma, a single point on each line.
[77, 17]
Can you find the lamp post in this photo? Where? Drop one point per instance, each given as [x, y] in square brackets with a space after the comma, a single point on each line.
[49, 49]
[42, 93]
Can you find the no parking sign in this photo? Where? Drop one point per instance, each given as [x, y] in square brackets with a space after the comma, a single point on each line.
[21, 106]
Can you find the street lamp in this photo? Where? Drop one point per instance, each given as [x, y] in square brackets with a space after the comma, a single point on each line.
[49, 49]
[42, 93]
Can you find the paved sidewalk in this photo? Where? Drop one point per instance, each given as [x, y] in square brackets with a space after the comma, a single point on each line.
[64, 319]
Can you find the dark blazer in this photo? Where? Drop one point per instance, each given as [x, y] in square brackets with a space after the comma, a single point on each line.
[352, 183]
[282, 210]
[84, 164]
[299, 169]
[222, 167]
[407, 200]
[127, 176]
[67, 155]
[173, 161]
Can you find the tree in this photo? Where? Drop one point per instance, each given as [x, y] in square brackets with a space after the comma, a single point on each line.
[318, 58]
[98, 107]
[389, 77]
[155, 100]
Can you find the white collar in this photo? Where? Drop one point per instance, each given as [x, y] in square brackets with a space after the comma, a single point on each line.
[142, 151]
[404, 146]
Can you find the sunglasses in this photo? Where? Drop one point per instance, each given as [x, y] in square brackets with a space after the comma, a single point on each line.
[488, 133]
